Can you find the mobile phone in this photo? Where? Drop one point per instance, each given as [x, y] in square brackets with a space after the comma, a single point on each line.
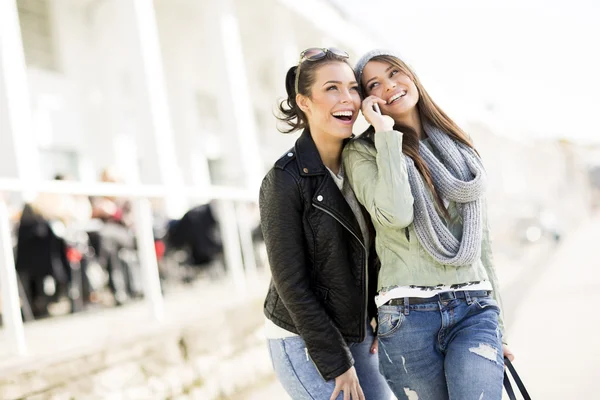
[376, 108]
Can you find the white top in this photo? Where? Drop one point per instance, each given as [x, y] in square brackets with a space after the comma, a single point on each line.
[273, 331]
[400, 292]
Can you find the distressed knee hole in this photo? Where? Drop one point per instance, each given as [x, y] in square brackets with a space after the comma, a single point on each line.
[485, 351]
[411, 394]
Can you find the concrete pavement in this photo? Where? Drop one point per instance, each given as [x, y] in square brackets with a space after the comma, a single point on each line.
[555, 325]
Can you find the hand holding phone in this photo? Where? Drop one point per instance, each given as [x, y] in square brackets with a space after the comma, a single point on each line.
[376, 108]
[374, 116]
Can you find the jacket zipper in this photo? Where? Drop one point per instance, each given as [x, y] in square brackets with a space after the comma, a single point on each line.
[366, 288]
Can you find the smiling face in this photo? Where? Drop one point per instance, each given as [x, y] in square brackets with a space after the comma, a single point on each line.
[391, 84]
[334, 101]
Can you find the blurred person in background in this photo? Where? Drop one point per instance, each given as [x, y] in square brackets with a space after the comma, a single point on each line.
[115, 234]
[109, 208]
[66, 208]
[318, 240]
[45, 227]
[417, 173]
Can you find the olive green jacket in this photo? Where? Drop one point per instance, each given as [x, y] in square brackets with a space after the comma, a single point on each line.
[375, 168]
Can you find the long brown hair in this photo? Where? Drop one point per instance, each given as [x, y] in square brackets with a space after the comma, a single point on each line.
[431, 114]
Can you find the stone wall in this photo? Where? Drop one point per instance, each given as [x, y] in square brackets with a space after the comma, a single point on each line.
[209, 358]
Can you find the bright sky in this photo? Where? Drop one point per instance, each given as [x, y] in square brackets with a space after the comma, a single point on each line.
[528, 67]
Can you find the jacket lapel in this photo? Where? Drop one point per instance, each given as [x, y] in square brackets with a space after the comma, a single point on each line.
[327, 196]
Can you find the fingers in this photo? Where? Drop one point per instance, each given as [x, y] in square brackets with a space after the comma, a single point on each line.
[361, 395]
[368, 103]
[380, 122]
[507, 353]
[335, 393]
[375, 346]
[374, 99]
[347, 394]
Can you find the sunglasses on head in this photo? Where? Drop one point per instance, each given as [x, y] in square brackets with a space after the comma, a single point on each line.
[316, 54]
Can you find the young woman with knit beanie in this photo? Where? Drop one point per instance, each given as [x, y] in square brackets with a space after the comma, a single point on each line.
[319, 244]
[440, 326]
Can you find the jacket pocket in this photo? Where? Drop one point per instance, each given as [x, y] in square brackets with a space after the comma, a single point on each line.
[487, 303]
[388, 322]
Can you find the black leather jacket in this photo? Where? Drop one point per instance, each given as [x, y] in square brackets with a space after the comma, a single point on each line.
[322, 286]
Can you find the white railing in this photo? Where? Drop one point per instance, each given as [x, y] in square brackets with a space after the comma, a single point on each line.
[233, 221]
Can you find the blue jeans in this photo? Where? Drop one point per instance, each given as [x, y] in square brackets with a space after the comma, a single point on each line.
[302, 381]
[442, 350]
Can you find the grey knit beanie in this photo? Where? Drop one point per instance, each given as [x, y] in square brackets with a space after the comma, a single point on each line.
[360, 65]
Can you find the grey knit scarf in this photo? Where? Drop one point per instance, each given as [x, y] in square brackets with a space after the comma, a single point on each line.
[458, 177]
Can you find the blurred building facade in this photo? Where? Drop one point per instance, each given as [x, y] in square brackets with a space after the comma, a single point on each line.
[183, 92]
[178, 92]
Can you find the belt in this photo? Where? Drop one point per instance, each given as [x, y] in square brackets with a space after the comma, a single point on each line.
[443, 296]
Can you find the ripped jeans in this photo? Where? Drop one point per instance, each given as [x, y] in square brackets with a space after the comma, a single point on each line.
[442, 350]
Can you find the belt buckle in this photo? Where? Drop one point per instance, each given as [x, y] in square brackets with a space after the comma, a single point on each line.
[447, 296]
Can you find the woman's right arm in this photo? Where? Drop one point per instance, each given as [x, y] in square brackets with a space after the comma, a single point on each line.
[380, 181]
[281, 211]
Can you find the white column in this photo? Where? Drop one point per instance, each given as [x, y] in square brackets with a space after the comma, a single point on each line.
[147, 255]
[17, 109]
[227, 218]
[13, 73]
[162, 129]
[241, 100]
[246, 243]
[9, 289]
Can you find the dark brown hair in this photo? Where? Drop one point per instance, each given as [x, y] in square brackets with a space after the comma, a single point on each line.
[290, 112]
[431, 114]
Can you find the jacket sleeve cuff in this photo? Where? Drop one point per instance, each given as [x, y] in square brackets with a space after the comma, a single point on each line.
[330, 375]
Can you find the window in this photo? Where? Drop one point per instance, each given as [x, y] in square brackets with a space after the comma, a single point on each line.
[37, 34]
[58, 161]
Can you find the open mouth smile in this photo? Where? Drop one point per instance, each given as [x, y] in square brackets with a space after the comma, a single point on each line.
[345, 116]
[397, 97]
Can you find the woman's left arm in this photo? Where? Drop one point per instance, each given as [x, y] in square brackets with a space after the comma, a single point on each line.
[488, 264]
